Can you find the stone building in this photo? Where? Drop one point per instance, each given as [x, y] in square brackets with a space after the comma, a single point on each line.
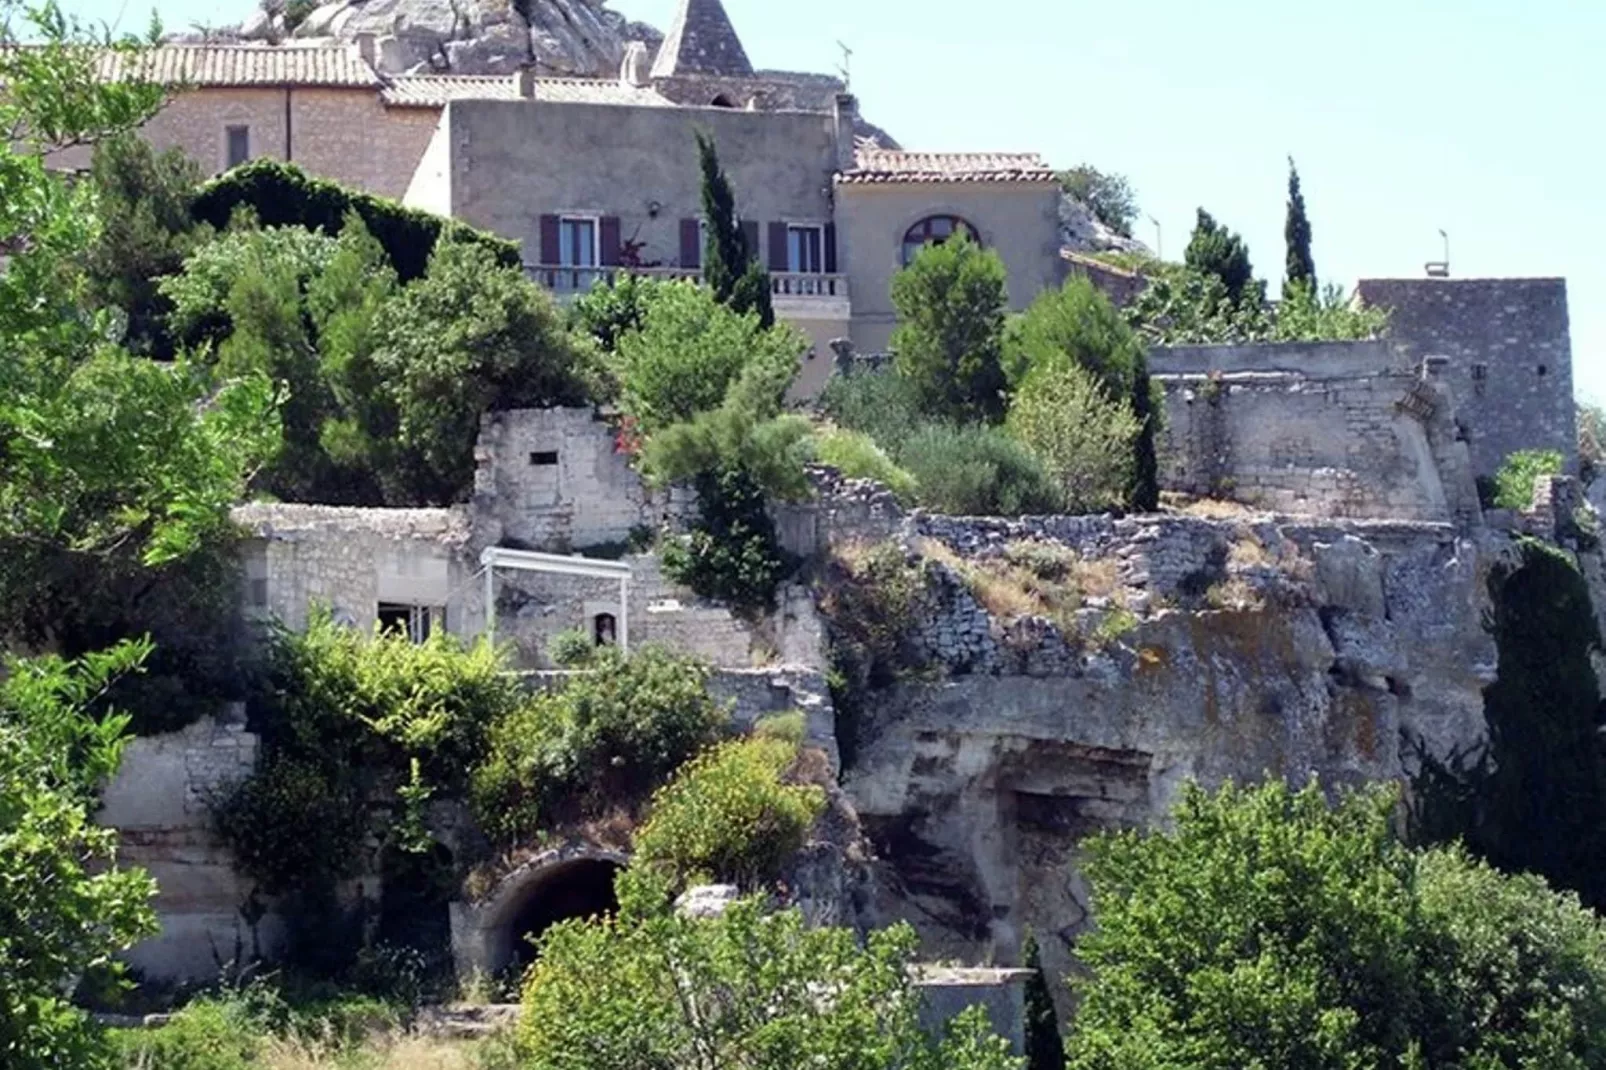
[1509, 357]
[598, 175]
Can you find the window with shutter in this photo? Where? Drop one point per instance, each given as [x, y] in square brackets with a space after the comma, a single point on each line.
[750, 235]
[691, 243]
[779, 258]
[612, 241]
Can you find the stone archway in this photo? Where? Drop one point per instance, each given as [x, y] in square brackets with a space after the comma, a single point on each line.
[489, 935]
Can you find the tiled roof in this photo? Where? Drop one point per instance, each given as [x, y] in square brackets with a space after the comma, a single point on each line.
[242, 65]
[878, 165]
[434, 90]
[701, 40]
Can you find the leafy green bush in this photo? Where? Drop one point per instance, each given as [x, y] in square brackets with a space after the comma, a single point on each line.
[949, 339]
[282, 195]
[1108, 197]
[1267, 929]
[1083, 438]
[613, 308]
[732, 554]
[344, 717]
[855, 455]
[1215, 251]
[742, 989]
[1075, 323]
[978, 471]
[606, 739]
[208, 1034]
[729, 816]
[571, 649]
[879, 403]
[65, 906]
[1514, 483]
[689, 351]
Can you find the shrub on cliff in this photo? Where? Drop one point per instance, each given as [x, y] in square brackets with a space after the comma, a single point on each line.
[1514, 482]
[748, 989]
[1084, 439]
[978, 471]
[857, 456]
[730, 816]
[1267, 928]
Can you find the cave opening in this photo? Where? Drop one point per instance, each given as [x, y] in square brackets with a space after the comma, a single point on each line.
[582, 888]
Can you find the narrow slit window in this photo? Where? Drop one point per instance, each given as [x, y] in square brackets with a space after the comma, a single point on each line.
[544, 458]
[239, 146]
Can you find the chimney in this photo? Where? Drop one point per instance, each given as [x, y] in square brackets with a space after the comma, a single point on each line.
[636, 70]
[524, 83]
[367, 49]
[845, 114]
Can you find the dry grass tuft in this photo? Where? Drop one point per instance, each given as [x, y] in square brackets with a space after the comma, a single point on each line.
[1248, 552]
[388, 1052]
[1215, 509]
[1033, 579]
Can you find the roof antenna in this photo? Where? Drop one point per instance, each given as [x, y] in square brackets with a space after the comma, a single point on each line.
[846, 70]
[1440, 269]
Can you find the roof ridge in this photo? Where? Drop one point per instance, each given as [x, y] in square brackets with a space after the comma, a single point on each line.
[702, 41]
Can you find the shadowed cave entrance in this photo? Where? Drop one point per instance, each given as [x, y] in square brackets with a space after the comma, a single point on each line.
[581, 888]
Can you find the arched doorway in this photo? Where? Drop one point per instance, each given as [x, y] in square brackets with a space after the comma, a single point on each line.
[579, 889]
[496, 931]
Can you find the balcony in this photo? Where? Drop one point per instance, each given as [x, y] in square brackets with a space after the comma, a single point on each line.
[800, 295]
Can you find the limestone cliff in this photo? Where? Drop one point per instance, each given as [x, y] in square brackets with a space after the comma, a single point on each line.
[1067, 675]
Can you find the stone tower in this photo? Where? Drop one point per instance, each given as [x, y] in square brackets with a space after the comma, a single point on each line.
[702, 41]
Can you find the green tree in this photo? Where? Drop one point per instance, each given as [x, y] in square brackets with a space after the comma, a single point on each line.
[1108, 196]
[950, 334]
[1215, 250]
[1045, 1048]
[146, 232]
[1300, 267]
[730, 264]
[1084, 438]
[1514, 482]
[750, 989]
[1267, 928]
[65, 906]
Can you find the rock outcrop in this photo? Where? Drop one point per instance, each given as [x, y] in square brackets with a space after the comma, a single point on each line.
[578, 38]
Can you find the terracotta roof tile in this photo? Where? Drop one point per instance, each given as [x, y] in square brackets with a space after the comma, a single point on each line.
[243, 65]
[878, 165]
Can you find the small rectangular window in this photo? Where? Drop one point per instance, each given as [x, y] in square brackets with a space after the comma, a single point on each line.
[239, 145]
[805, 250]
[259, 593]
[544, 458]
[1480, 372]
[417, 623]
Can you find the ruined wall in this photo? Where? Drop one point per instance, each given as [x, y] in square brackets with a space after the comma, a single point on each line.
[1207, 650]
[1349, 429]
[1510, 356]
[159, 803]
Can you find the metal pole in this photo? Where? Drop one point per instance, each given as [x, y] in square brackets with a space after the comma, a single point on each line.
[490, 603]
[624, 615]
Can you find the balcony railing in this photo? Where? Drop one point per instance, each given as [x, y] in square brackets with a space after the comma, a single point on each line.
[569, 281]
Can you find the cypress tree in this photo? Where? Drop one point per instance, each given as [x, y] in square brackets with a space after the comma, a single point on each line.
[1045, 1050]
[730, 265]
[1215, 250]
[1300, 266]
[1146, 465]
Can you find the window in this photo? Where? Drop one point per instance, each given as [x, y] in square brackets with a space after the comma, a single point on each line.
[544, 458]
[722, 101]
[577, 242]
[805, 250]
[417, 623]
[238, 150]
[934, 230]
[605, 629]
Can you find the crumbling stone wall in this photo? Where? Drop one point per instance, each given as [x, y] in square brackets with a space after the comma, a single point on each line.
[1346, 429]
[1509, 349]
[160, 804]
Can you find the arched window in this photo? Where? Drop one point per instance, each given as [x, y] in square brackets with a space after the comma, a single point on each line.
[934, 230]
[722, 101]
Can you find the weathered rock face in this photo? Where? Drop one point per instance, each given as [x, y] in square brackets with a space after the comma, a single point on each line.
[1214, 649]
[582, 38]
[1082, 231]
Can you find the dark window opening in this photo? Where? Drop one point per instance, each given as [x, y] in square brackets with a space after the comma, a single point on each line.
[544, 458]
[259, 592]
[722, 101]
[605, 629]
[581, 889]
[934, 230]
[239, 146]
[1543, 371]
[417, 623]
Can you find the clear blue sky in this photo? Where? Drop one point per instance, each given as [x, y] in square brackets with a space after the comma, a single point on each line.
[1483, 117]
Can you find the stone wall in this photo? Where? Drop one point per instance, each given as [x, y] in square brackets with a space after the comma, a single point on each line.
[1349, 429]
[1509, 349]
[159, 803]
